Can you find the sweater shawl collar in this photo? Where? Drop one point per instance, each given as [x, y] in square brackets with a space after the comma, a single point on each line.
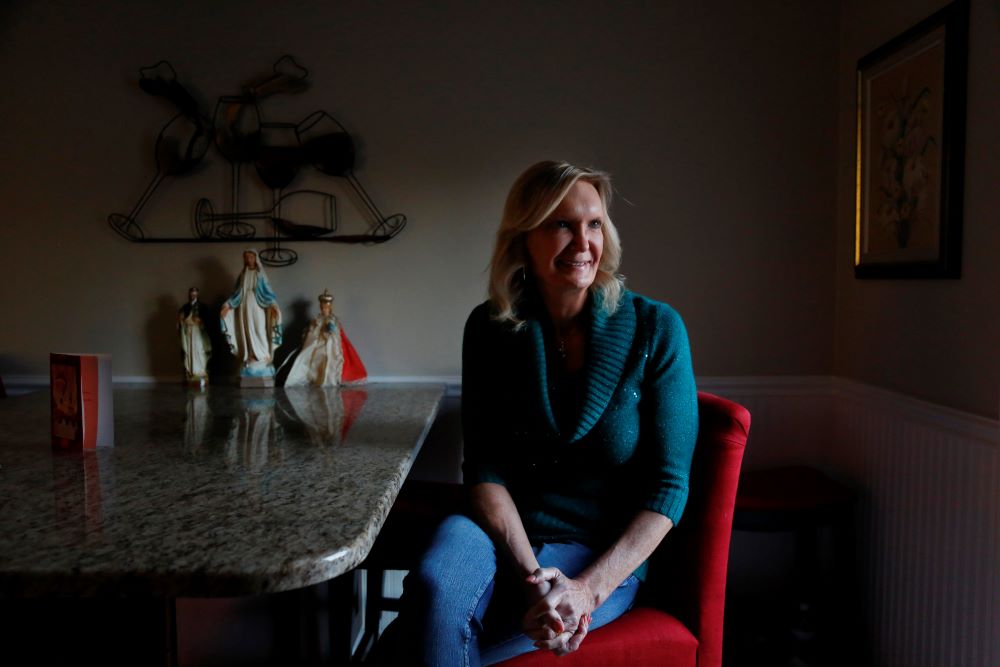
[608, 345]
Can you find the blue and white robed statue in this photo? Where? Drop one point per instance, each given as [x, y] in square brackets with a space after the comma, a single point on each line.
[251, 323]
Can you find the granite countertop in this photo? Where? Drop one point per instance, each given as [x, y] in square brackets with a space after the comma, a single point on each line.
[222, 491]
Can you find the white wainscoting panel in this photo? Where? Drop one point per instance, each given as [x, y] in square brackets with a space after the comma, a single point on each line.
[930, 518]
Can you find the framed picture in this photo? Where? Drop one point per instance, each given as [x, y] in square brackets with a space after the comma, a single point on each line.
[911, 151]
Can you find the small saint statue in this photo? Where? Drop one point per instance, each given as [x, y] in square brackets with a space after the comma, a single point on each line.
[251, 323]
[195, 343]
[327, 358]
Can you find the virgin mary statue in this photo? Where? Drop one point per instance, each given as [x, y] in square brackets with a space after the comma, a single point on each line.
[251, 323]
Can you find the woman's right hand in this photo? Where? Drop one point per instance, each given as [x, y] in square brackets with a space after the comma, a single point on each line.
[560, 620]
[554, 635]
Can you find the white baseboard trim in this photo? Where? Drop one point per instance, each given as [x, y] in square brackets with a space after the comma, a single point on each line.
[26, 380]
[453, 383]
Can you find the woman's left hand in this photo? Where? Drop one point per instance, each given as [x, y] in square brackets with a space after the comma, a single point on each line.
[560, 620]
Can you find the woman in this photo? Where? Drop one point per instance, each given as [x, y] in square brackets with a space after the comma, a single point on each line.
[579, 415]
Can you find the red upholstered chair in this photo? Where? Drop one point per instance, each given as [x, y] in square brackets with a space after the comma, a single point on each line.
[677, 620]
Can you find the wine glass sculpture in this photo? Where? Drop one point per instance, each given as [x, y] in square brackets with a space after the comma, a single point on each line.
[237, 136]
[278, 151]
[205, 217]
[330, 149]
[278, 158]
[180, 145]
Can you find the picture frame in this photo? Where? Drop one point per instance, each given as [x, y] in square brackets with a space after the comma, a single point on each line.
[911, 151]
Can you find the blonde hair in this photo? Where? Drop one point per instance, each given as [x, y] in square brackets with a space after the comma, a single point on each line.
[534, 196]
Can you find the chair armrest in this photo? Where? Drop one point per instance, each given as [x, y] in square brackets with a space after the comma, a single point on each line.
[688, 573]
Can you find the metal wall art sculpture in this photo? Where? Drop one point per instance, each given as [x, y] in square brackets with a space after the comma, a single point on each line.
[278, 150]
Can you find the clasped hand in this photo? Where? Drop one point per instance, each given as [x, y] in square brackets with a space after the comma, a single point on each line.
[560, 616]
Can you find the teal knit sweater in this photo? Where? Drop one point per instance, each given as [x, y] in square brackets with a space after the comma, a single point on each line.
[630, 444]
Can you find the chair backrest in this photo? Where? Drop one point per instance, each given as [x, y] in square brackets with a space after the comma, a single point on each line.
[687, 575]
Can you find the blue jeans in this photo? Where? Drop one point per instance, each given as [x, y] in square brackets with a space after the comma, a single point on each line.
[454, 614]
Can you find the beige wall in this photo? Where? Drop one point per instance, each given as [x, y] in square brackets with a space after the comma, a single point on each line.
[938, 340]
[716, 118]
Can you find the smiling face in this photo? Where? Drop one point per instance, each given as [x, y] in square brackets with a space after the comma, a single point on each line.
[564, 251]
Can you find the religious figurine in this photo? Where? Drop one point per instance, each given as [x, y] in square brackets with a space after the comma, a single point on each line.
[195, 342]
[327, 358]
[251, 323]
